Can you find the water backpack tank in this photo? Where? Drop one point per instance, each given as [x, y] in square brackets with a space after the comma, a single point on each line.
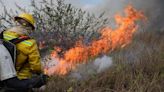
[7, 68]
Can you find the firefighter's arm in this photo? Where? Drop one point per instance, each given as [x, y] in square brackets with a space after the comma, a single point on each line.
[34, 58]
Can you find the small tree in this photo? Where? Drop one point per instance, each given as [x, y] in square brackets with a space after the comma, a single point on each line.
[61, 24]
[65, 23]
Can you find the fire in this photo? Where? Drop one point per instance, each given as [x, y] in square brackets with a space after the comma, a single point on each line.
[110, 40]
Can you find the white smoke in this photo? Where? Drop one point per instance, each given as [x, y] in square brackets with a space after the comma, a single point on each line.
[83, 71]
[92, 68]
[102, 64]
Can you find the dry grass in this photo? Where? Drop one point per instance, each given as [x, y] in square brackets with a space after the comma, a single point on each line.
[137, 68]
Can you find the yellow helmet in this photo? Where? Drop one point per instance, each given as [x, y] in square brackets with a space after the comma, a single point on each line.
[28, 17]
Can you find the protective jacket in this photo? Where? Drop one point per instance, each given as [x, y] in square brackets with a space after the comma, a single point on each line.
[28, 57]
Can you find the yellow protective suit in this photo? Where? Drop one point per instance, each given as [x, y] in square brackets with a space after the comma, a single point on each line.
[28, 57]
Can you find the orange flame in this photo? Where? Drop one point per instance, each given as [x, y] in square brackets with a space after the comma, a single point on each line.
[110, 40]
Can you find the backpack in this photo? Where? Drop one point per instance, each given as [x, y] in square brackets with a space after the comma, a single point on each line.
[8, 57]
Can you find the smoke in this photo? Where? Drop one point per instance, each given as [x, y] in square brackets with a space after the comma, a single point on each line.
[99, 65]
[85, 70]
[153, 10]
[102, 64]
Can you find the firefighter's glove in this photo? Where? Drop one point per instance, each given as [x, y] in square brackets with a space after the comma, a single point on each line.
[44, 78]
[40, 81]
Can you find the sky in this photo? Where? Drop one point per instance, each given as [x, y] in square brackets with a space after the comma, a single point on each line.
[10, 4]
[87, 1]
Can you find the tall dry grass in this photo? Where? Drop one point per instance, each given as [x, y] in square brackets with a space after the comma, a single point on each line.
[137, 68]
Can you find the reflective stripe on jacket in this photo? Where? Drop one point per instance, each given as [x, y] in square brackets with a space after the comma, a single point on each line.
[28, 57]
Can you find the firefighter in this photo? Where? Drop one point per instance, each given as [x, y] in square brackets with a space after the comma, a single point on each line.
[28, 57]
